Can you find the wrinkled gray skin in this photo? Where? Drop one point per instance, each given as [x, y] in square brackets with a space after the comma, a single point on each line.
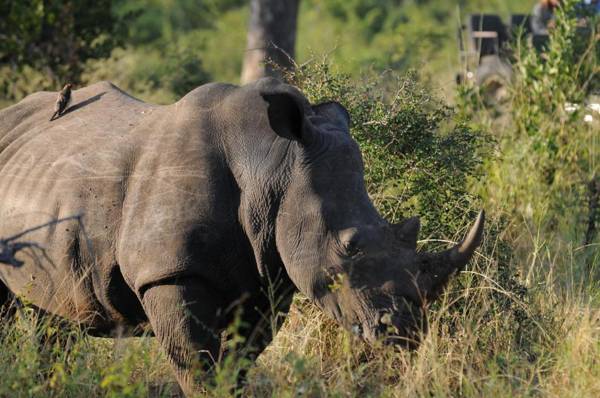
[191, 210]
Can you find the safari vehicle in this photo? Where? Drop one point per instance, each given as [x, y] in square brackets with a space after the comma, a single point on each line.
[485, 54]
[485, 48]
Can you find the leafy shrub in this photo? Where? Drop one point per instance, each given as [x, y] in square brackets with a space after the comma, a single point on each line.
[57, 37]
[419, 156]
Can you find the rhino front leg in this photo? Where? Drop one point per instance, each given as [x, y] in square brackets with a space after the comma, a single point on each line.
[183, 317]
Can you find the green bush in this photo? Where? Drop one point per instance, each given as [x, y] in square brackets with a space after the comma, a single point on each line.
[419, 156]
[56, 38]
[145, 73]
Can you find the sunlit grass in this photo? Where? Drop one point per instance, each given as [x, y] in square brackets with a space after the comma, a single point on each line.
[485, 339]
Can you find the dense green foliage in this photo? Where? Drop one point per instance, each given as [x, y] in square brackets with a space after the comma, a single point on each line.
[166, 47]
[56, 37]
[419, 156]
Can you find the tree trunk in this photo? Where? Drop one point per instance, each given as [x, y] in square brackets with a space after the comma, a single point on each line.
[271, 38]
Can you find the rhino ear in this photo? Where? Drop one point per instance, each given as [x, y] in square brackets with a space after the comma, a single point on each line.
[335, 112]
[407, 232]
[287, 117]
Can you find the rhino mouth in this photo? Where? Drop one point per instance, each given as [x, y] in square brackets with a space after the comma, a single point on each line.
[408, 339]
[403, 329]
[404, 339]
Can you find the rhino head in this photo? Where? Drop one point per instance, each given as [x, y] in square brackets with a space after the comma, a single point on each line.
[360, 269]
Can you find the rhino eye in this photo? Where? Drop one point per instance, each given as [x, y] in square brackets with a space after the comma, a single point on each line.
[351, 248]
[350, 242]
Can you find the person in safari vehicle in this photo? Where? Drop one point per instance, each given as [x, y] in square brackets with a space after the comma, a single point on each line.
[542, 15]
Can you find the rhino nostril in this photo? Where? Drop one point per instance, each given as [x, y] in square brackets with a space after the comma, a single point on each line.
[386, 319]
[357, 329]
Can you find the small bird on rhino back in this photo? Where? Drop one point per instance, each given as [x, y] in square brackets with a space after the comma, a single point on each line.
[62, 102]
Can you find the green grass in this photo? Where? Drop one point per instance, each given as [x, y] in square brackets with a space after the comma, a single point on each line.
[487, 338]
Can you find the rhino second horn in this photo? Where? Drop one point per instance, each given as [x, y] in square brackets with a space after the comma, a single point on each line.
[461, 253]
[407, 232]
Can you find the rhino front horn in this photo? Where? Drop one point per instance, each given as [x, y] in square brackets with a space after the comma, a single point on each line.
[442, 265]
[461, 253]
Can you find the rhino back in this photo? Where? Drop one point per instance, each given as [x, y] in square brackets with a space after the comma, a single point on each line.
[156, 197]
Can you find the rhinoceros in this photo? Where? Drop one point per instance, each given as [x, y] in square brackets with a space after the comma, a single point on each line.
[221, 205]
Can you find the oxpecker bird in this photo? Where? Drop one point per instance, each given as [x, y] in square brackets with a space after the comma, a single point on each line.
[62, 102]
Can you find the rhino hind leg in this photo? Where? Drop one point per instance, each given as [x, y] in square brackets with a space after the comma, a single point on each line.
[181, 316]
[8, 306]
